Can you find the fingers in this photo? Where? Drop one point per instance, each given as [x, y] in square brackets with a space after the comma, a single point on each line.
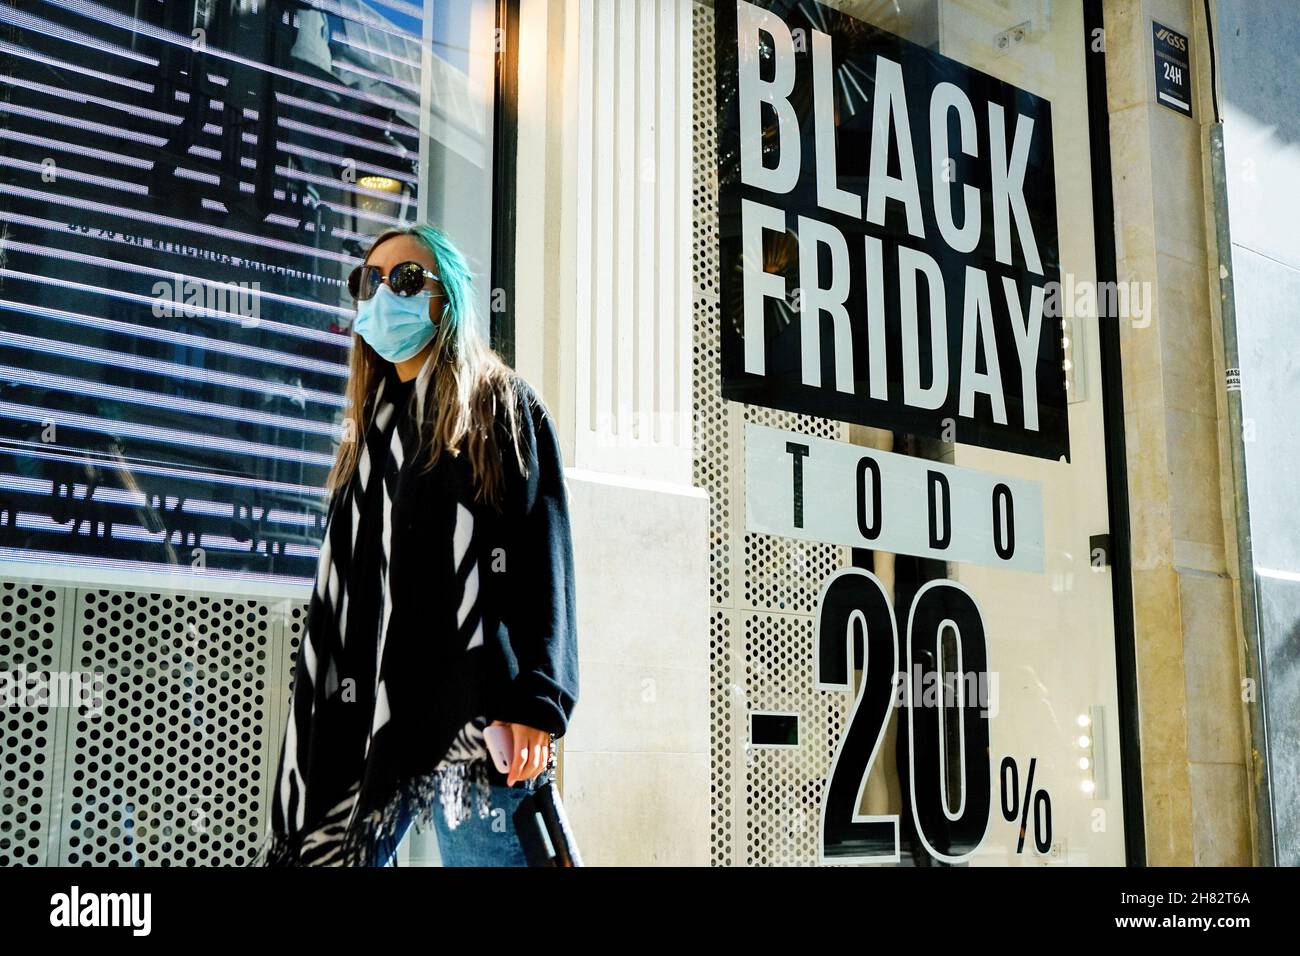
[519, 756]
[537, 753]
[530, 755]
[545, 750]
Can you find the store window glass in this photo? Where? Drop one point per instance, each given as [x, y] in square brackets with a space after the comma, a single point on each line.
[1053, 633]
[917, 171]
[184, 188]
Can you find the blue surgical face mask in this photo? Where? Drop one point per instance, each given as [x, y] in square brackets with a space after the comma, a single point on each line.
[395, 326]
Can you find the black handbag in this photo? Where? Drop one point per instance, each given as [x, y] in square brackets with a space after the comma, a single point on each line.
[542, 825]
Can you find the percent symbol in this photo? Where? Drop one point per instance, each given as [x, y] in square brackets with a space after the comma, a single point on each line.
[1015, 807]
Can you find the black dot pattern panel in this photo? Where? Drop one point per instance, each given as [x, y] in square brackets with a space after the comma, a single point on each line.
[722, 786]
[296, 625]
[294, 616]
[31, 623]
[783, 787]
[711, 425]
[174, 772]
[766, 803]
[711, 430]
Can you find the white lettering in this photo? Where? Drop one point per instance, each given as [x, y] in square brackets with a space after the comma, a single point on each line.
[977, 335]
[890, 109]
[816, 299]
[829, 194]
[758, 283]
[1008, 182]
[754, 92]
[911, 264]
[949, 97]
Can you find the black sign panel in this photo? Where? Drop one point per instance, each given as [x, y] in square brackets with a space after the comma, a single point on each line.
[887, 219]
[1173, 69]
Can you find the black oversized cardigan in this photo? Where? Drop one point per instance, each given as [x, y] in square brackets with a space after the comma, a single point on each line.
[513, 658]
[529, 668]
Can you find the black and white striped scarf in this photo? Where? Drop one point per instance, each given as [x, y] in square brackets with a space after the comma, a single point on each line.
[386, 717]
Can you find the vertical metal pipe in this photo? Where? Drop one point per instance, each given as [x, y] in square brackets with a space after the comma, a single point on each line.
[1260, 764]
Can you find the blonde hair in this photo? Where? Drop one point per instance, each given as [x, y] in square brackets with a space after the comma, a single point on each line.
[469, 379]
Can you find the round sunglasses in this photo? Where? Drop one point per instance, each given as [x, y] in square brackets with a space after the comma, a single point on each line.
[405, 279]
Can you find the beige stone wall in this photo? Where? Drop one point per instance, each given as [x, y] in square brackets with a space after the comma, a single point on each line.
[1194, 733]
[634, 765]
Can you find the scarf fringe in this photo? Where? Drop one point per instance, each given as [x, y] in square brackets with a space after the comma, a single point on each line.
[461, 789]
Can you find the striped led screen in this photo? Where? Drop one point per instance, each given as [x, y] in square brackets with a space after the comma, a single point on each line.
[183, 189]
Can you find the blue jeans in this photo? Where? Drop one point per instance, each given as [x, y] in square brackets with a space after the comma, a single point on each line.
[478, 841]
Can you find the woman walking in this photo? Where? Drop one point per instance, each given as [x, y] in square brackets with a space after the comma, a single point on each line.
[443, 601]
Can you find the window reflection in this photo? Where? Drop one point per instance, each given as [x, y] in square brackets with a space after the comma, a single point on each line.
[183, 190]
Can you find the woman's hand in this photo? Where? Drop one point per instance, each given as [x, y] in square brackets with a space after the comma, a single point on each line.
[530, 754]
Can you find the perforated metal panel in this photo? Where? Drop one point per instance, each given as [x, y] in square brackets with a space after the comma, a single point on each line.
[173, 771]
[766, 802]
[724, 812]
[31, 622]
[293, 614]
[784, 787]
